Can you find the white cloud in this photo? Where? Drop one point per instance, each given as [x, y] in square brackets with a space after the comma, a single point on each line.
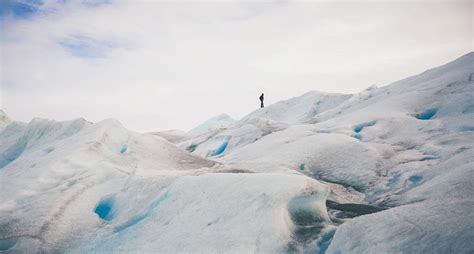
[157, 65]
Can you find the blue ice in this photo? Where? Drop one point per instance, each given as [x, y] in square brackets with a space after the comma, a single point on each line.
[426, 115]
[325, 241]
[358, 136]
[466, 128]
[393, 181]
[104, 208]
[6, 244]
[415, 179]
[358, 128]
[12, 153]
[143, 215]
[221, 149]
[428, 157]
[302, 166]
[123, 149]
[130, 223]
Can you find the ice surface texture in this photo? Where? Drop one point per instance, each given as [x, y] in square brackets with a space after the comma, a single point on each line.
[387, 170]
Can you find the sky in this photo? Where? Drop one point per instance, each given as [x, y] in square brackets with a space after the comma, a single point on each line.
[157, 65]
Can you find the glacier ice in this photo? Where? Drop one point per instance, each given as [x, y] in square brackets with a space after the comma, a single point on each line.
[387, 170]
[104, 208]
[221, 149]
[358, 128]
[427, 115]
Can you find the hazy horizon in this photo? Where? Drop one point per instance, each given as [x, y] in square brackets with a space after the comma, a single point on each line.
[158, 65]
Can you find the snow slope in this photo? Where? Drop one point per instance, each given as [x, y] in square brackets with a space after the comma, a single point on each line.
[221, 121]
[299, 109]
[387, 170]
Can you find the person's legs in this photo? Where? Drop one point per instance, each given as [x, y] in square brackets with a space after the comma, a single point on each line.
[261, 104]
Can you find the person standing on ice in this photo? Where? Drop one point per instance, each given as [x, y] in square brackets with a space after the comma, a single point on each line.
[261, 101]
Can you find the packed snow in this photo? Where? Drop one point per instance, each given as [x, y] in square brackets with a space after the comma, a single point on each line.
[387, 170]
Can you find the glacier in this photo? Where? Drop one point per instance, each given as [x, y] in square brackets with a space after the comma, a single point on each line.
[386, 170]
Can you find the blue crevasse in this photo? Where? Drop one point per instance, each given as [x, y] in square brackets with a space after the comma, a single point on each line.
[325, 241]
[221, 149]
[302, 166]
[428, 157]
[104, 208]
[358, 128]
[426, 115]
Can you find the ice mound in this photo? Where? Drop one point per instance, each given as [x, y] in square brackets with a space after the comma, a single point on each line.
[65, 193]
[37, 133]
[241, 134]
[328, 157]
[178, 220]
[216, 123]
[299, 109]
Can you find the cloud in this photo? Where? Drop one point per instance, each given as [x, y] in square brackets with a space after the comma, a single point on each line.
[156, 65]
[83, 46]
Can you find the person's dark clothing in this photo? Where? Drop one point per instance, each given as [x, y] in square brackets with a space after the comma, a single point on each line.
[261, 101]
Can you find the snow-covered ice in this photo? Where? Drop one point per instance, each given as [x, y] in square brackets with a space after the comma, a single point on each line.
[218, 122]
[387, 170]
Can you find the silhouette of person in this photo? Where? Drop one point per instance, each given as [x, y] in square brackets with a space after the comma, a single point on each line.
[261, 101]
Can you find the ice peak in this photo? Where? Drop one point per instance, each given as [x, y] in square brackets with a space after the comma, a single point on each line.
[215, 123]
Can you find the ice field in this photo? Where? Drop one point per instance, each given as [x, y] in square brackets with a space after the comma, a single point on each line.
[387, 170]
